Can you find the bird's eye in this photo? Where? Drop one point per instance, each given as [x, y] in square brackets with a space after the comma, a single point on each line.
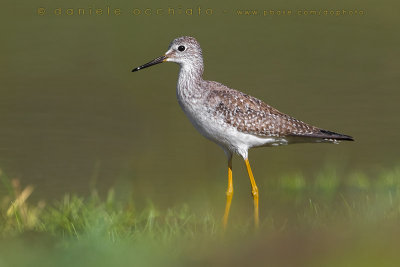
[181, 48]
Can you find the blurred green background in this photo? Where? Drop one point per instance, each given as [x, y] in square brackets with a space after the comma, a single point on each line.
[126, 179]
[72, 115]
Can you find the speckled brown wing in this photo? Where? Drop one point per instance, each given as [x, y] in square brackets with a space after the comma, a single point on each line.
[251, 115]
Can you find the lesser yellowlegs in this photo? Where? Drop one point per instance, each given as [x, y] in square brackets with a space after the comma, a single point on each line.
[233, 120]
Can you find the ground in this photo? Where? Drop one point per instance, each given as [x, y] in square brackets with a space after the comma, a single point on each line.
[333, 220]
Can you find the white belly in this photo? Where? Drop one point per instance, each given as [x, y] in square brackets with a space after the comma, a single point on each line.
[225, 135]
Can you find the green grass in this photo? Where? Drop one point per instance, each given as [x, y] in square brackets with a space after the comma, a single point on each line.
[332, 220]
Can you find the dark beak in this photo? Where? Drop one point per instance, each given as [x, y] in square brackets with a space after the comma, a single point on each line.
[151, 63]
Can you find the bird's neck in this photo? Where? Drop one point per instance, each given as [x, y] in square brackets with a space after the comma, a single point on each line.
[189, 81]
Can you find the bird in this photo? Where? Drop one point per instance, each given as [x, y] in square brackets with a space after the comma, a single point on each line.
[232, 119]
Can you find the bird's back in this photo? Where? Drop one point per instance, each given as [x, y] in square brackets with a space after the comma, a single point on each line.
[252, 116]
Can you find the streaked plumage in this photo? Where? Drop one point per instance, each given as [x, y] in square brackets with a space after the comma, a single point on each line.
[230, 118]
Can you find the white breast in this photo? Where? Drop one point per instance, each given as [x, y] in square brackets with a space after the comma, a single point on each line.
[218, 131]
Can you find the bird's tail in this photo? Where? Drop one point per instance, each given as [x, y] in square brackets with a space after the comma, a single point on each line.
[333, 135]
[326, 135]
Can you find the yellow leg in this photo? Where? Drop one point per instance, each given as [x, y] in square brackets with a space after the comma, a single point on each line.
[254, 192]
[229, 193]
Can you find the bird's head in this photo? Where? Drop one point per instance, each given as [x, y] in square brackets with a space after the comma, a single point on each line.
[184, 50]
